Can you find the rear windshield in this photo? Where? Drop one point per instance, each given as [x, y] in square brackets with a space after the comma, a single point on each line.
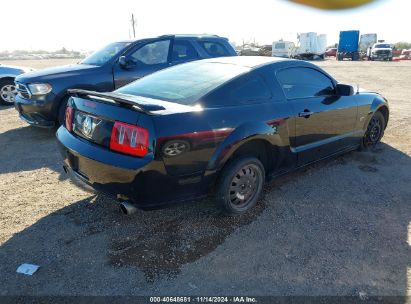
[105, 54]
[185, 83]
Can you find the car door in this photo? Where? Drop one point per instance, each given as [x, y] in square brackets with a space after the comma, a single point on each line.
[142, 60]
[324, 122]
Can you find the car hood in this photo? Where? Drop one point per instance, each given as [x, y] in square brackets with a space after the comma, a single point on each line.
[362, 90]
[56, 72]
[17, 68]
[365, 91]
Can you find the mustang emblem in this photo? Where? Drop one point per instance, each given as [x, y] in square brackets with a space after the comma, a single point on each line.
[88, 126]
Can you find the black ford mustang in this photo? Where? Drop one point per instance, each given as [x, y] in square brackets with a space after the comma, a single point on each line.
[222, 126]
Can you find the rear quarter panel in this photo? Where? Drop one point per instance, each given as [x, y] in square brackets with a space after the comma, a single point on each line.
[214, 134]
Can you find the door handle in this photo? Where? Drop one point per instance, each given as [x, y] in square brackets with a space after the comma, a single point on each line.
[306, 113]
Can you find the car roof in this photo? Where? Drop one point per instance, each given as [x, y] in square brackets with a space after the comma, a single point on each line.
[199, 36]
[248, 61]
[193, 36]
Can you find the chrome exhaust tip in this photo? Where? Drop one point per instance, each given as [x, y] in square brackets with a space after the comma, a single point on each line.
[127, 208]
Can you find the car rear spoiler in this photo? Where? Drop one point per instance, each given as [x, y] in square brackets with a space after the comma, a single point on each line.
[117, 98]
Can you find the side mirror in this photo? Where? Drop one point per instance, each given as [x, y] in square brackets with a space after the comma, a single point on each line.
[122, 61]
[344, 89]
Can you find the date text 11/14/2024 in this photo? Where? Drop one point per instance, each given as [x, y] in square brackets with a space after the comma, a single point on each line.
[208, 299]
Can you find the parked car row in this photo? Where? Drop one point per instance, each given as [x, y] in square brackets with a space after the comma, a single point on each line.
[42, 95]
[354, 46]
[351, 45]
[220, 126]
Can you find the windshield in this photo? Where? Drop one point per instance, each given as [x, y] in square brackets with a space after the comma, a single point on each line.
[105, 54]
[383, 46]
[184, 84]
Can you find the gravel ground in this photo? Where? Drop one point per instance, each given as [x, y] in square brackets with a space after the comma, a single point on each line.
[340, 227]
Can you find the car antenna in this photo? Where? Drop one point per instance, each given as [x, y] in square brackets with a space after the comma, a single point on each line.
[358, 88]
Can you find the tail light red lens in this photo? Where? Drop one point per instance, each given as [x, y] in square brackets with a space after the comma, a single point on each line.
[129, 139]
[69, 118]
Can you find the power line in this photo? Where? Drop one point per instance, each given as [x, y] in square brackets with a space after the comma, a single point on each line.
[133, 25]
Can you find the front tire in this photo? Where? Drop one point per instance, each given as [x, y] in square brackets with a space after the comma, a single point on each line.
[240, 185]
[375, 131]
[8, 92]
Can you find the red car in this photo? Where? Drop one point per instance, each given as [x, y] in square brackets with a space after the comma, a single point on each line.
[331, 52]
[406, 54]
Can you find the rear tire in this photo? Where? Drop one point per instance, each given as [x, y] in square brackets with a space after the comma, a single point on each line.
[7, 92]
[375, 131]
[240, 185]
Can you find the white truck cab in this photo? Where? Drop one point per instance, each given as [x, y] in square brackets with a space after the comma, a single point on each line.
[381, 50]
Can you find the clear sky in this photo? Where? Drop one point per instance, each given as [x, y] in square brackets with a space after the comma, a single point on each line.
[89, 24]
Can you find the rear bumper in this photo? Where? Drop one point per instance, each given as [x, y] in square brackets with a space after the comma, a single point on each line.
[36, 112]
[143, 180]
[79, 180]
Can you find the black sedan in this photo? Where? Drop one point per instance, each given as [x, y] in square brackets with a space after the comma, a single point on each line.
[218, 126]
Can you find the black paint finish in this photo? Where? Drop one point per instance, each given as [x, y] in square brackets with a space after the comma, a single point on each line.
[285, 133]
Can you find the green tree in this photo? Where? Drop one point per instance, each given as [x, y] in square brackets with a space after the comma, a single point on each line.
[402, 45]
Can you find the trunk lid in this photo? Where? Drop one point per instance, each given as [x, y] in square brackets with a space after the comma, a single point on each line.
[94, 114]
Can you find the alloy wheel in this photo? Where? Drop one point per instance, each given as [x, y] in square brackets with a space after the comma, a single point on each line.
[8, 93]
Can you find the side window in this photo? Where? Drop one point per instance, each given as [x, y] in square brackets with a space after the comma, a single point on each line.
[152, 53]
[183, 51]
[304, 83]
[214, 49]
[250, 89]
[244, 90]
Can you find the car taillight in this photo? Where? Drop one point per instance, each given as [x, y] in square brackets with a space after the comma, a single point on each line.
[129, 139]
[69, 118]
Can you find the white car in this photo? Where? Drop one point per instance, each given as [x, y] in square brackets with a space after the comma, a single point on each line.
[7, 87]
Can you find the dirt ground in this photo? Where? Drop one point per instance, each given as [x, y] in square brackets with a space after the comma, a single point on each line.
[341, 227]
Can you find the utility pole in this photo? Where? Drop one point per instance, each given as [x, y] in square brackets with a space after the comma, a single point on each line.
[133, 25]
